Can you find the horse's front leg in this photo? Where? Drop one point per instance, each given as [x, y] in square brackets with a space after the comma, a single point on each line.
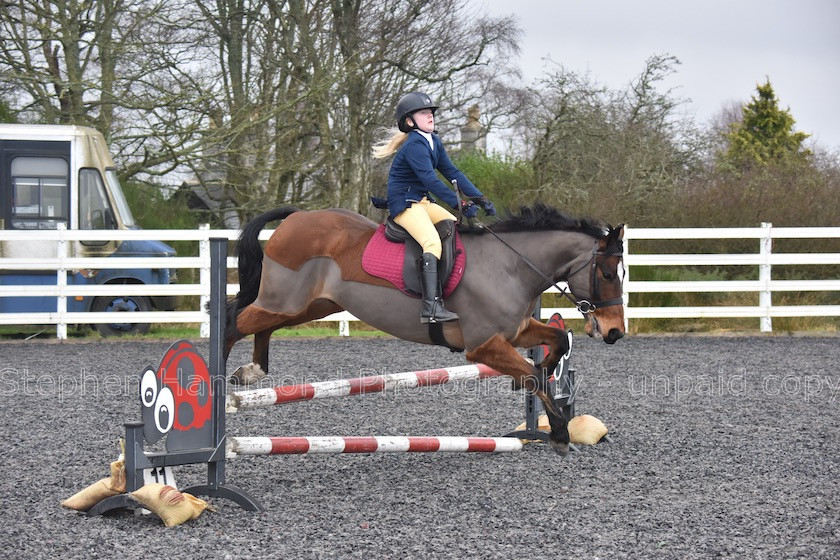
[502, 356]
[537, 333]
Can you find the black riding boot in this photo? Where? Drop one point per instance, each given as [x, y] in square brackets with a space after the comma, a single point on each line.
[432, 310]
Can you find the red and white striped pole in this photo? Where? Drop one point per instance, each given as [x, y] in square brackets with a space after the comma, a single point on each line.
[369, 444]
[258, 398]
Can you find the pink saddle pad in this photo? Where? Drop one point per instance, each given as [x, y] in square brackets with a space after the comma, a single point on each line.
[384, 259]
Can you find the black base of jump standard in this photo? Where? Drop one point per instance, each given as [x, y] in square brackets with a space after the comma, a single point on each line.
[137, 460]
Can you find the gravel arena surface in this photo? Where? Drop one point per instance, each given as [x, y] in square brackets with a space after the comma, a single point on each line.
[722, 447]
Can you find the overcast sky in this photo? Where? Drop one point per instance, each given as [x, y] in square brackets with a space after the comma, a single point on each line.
[726, 47]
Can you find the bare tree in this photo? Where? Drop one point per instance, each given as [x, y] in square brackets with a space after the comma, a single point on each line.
[111, 64]
[265, 101]
[304, 87]
[609, 152]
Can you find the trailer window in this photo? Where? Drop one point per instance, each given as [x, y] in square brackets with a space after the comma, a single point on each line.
[119, 197]
[40, 192]
[94, 210]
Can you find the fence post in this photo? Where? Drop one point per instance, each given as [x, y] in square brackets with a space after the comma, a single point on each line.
[61, 282]
[764, 276]
[626, 280]
[204, 279]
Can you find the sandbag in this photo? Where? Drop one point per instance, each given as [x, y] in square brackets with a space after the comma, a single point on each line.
[586, 430]
[88, 497]
[583, 429]
[171, 506]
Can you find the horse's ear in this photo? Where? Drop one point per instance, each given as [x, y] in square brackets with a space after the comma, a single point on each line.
[614, 236]
[615, 232]
[619, 231]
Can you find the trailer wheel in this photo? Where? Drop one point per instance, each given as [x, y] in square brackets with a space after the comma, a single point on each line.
[121, 304]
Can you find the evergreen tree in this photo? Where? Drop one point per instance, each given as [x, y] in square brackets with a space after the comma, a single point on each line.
[764, 136]
[6, 115]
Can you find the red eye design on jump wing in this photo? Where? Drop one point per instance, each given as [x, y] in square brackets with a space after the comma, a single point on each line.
[186, 377]
[176, 399]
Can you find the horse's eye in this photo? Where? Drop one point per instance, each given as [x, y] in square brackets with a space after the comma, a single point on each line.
[608, 275]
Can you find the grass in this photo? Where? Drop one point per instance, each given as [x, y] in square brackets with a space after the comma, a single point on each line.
[324, 330]
[177, 331]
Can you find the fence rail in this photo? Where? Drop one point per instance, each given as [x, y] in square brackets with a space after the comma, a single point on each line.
[764, 258]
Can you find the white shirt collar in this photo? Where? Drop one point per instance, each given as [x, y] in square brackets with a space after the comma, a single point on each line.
[427, 136]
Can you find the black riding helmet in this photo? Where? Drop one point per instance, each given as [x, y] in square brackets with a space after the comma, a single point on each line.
[410, 103]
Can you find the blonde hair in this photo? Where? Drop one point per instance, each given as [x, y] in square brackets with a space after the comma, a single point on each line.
[390, 145]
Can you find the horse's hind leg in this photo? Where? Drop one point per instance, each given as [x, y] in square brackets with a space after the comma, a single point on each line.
[499, 354]
[261, 340]
[258, 368]
[261, 323]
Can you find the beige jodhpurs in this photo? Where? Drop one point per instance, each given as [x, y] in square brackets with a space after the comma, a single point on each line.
[419, 220]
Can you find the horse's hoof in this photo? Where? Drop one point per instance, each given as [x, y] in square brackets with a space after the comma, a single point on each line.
[247, 374]
[560, 448]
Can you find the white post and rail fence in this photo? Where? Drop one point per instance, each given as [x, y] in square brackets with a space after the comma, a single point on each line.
[764, 259]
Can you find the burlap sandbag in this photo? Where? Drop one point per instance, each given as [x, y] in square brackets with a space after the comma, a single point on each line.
[584, 429]
[85, 499]
[171, 506]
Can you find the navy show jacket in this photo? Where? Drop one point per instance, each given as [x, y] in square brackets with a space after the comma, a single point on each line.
[413, 176]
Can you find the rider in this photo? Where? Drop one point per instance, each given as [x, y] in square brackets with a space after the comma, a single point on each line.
[419, 152]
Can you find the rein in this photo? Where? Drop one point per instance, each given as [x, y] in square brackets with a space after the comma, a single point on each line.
[584, 306]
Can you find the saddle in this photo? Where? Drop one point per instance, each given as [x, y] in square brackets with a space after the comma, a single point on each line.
[394, 255]
[411, 262]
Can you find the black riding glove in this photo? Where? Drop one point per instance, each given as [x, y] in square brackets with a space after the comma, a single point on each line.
[485, 203]
[469, 209]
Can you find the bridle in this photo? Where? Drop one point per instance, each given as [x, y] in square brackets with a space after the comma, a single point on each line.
[584, 306]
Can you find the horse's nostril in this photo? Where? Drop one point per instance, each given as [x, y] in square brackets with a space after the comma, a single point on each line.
[613, 336]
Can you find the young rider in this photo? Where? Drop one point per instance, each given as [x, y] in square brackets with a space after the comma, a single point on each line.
[419, 152]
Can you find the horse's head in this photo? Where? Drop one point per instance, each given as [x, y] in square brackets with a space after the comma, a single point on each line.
[597, 286]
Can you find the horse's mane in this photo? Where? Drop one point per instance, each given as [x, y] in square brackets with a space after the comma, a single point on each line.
[541, 216]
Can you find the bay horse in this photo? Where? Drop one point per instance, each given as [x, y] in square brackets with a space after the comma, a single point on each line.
[311, 268]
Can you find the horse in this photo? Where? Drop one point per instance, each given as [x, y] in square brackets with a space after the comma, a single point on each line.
[311, 268]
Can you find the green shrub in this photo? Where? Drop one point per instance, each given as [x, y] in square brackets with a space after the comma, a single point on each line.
[503, 179]
[156, 208]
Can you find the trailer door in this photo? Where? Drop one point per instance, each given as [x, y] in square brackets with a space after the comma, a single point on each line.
[34, 195]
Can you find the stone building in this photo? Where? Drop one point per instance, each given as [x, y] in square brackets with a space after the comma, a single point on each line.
[473, 135]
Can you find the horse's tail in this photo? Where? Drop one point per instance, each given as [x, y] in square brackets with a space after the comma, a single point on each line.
[250, 255]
